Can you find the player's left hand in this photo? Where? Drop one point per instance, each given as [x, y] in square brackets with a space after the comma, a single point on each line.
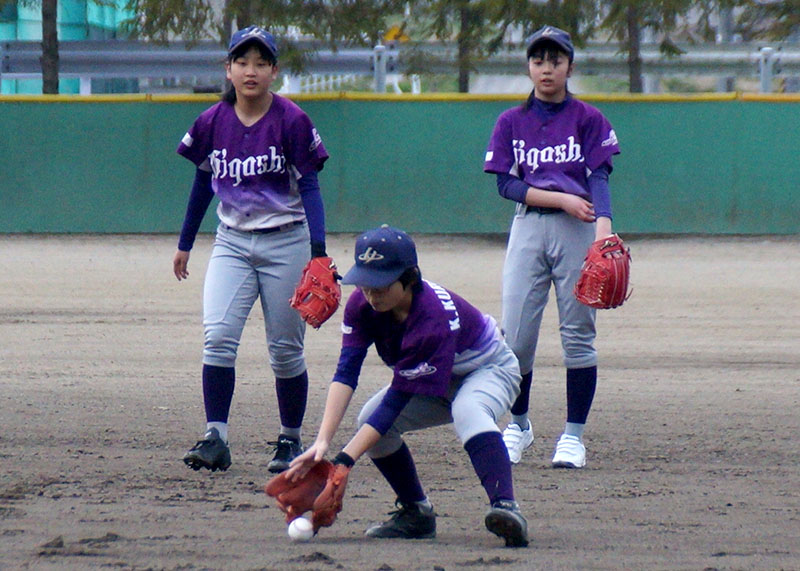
[318, 294]
[330, 501]
[180, 263]
[297, 497]
[605, 275]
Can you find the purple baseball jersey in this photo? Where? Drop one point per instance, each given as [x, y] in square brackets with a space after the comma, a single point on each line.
[442, 331]
[552, 153]
[255, 169]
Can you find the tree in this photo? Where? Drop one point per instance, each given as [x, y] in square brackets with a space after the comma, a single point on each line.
[479, 27]
[334, 22]
[49, 59]
[627, 19]
[773, 20]
[49, 46]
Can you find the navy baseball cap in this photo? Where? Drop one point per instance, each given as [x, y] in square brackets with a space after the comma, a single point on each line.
[552, 34]
[253, 33]
[382, 255]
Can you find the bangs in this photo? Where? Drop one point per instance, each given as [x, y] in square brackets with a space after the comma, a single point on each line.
[547, 51]
[262, 50]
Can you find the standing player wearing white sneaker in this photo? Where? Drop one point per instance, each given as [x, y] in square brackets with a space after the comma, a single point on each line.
[552, 156]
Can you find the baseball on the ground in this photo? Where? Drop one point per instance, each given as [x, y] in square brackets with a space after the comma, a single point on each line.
[300, 529]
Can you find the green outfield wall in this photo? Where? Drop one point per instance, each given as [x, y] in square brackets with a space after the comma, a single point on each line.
[708, 164]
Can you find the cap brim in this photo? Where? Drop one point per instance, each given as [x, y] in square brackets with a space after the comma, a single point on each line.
[569, 50]
[255, 40]
[360, 276]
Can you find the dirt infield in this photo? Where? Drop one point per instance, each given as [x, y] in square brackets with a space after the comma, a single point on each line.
[693, 443]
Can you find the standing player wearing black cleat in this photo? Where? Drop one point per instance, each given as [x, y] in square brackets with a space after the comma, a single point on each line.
[211, 453]
[259, 154]
[286, 450]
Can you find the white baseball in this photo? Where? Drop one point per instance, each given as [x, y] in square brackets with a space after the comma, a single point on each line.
[300, 529]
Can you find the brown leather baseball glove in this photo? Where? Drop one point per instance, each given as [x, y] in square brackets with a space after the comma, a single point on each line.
[318, 294]
[605, 275]
[321, 490]
[329, 502]
[296, 498]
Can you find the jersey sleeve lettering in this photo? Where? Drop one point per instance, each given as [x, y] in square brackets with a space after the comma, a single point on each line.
[499, 156]
[304, 148]
[600, 139]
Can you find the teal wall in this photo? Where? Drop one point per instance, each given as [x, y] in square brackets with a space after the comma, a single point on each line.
[105, 164]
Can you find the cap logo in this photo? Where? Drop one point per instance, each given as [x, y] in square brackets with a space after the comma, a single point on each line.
[370, 255]
[253, 32]
[547, 31]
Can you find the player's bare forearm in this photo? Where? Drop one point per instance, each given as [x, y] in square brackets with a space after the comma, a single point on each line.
[365, 438]
[338, 400]
[543, 198]
[602, 228]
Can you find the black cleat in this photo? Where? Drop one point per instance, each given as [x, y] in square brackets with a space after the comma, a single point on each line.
[286, 450]
[504, 520]
[408, 522]
[210, 453]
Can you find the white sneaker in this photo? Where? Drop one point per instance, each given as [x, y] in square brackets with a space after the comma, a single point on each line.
[570, 452]
[517, 440]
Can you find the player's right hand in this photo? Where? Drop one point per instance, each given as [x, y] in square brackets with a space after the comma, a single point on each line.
[180, 264]
[577, 207]
[300, 466]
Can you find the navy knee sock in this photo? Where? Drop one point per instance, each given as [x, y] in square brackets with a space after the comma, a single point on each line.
[400, 471]
[581, 384]
[489, 458]
[292, 398]
[522, 403]
[218, 384]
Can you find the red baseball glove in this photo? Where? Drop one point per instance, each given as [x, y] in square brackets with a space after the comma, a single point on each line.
[320, 490]
[605, 275]
[296, 498]
[318, 294]
[329, 502]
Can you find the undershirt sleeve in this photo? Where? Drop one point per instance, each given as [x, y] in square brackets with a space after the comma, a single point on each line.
[349, 368]
[308, 186]
[199, 200]
[388, 410]
[512, 188]
[598, 186]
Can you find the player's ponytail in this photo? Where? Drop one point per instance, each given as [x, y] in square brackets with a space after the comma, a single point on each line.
[229, 95]
[528, 102]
